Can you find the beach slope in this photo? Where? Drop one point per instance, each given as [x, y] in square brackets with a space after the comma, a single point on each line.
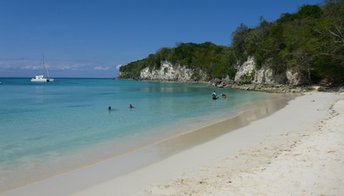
[297, 150]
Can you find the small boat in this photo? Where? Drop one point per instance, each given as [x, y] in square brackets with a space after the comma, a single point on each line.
[41, 78]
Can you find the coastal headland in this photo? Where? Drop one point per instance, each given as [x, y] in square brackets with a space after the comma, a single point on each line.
[291, 144]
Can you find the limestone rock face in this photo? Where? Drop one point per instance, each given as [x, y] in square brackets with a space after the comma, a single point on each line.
[170, 72]
[295, 78]
[248, 73]
[245, 71]
[263, 76]
[266, 75]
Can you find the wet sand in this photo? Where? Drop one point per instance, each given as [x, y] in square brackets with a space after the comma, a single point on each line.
[297, 150]
[304, 158]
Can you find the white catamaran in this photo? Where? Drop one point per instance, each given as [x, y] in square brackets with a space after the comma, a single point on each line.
[41, 78]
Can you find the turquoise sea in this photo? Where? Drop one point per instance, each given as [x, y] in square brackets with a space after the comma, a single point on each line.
[65, 124]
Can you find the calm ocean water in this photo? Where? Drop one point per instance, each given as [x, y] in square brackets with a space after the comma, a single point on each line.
[46, 126]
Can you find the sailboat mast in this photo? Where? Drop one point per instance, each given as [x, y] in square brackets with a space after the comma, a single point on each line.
[46, 70]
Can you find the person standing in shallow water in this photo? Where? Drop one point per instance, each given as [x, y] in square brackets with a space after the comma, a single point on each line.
[214, 96]
[131, 106]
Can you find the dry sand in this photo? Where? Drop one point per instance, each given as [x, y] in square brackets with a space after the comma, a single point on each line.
[299, 150]
[302, 162]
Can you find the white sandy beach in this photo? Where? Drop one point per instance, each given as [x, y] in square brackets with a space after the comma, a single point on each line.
[308, 160]
[298, 150]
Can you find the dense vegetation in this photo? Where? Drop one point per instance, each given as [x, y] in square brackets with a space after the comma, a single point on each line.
[310, 41]
[214, 60]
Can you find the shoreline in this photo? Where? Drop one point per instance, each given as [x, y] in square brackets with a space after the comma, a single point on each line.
[204, 169]
[190, 171]
[267, 88]
[306, 160]
[162, 148]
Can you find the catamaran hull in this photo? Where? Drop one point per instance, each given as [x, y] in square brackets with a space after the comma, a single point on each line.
[41, 80]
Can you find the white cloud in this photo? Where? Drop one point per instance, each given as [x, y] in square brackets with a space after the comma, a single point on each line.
[27, 67]
[31, 67]
[31, 64]
[26, 64]
[65, 65]
[102, 68]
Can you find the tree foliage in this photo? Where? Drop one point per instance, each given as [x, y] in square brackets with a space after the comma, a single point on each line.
[310, 41]
[215, 60]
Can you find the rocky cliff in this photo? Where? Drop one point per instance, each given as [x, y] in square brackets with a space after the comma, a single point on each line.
[249, 73]
[170, 72]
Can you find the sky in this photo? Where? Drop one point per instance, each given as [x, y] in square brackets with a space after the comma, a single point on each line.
[93, 38]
